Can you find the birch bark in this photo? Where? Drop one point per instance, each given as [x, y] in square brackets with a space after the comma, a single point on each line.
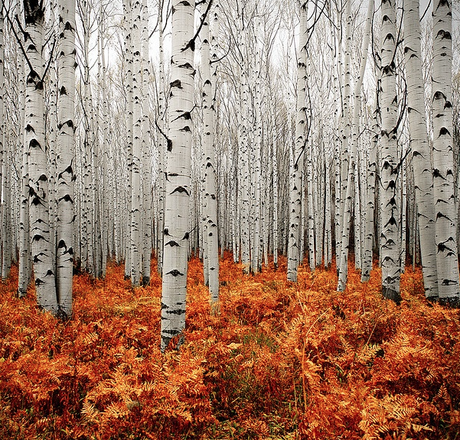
[66, 156]
[390, 237]
[421, 157]
[42, 253]
[443, 176]
[178, 173]
[210, 229]
[295, 190]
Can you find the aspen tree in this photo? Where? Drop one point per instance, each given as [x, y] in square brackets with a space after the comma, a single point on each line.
[210, 229]
[178, 179]
[50, 100]
[6, 180]
[88, 214]
[352, 144]
[105, 190]
[147, 175]
[421, 158]
[42, 254]
[296, 158]
[256, 146]
[443, 176]
[66, 157]
[25, 263]
[136, 177]
[390, 237]
[2, 131]
[371, 192]
[243, 156]
[128, 28]
[162, 127]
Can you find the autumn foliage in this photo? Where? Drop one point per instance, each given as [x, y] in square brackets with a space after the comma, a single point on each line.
[281, 361]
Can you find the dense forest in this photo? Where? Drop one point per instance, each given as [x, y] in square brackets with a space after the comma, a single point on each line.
[229, 219]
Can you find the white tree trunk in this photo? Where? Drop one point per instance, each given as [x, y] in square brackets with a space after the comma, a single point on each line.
[136, 176]
[66, 156]
[443, 176]
[146, 165]
[127, 7]
[211, 250]
[42, 253]
[178, 171]
[162, 124]
[390, 237]
[296, 161]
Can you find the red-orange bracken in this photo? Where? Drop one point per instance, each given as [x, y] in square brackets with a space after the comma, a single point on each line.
[280, 361]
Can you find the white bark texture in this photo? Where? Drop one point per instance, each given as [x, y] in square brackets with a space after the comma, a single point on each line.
[178, 172]
[3, 232]
[390, 237]
[443, 175]
[42, 254]
[136, 177]
[296, 162]
[66, 155]
[25, 263]
[421, 156]
[211, 250]
[347, 161]
[146, 166]
[162, 124]
[127, 7]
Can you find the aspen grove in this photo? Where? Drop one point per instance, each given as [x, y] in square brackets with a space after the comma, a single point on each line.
[248, 208]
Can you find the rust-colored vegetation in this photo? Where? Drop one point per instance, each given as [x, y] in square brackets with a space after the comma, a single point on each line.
[281, 361]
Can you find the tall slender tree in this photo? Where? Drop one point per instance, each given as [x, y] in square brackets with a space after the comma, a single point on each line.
[42, 254]
[421, 157]
[66, 156]
[390, 236]
[178, 173]
[296, 160]
[443, 175]
[211, 236]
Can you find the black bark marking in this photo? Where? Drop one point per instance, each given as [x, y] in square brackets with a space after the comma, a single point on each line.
[34, 143]
[66, 198]
[181, 189]
[448, 282]
[444, 131]
[172, 243]
[68, 170]
[177, 83]
[175, 273]
[175, 312]
[171, 332]
[186, 66]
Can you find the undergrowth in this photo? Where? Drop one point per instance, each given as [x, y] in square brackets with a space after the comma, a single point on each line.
[281, 361]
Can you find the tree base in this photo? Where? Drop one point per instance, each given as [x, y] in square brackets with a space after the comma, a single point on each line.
[21, 293]
[452, 302]
[391, 294]
[145, 281]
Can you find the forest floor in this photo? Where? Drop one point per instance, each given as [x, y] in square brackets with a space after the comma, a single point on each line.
[281, 361]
